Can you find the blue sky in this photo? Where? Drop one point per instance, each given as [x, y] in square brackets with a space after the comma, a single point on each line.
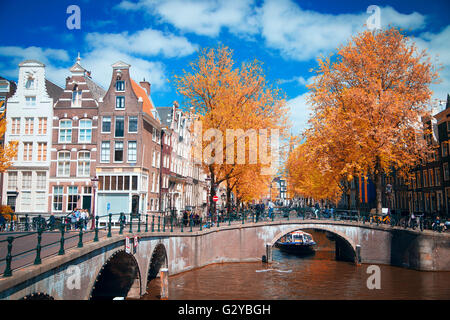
[160, 38]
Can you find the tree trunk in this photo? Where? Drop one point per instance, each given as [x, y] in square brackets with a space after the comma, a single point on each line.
[212, 204]
[378, 186]
[228, 197]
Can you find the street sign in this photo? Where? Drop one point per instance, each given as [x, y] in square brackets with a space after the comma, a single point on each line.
[215, 198]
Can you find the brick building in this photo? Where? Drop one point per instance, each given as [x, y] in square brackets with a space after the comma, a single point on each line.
[129, 147]
[74, 143]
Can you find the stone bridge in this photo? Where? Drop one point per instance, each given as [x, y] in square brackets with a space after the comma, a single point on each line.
[105, 270]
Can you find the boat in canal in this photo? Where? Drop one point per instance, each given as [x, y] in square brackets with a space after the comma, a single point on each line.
[297, 242]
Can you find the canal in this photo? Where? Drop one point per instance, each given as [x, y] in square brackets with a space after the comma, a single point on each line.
[291, 277]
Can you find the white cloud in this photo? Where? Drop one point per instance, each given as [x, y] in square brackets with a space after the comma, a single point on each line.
[98, 61]
[147, 42]
[300, 112]
[298, 34]
[199, 16]
[438, 47]
[303, 35]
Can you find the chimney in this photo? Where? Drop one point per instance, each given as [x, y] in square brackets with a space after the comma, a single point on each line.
[146, 85]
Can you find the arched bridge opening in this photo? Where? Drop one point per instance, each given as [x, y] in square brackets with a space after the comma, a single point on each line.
[344, 248]
[119, 277]
[158, 261]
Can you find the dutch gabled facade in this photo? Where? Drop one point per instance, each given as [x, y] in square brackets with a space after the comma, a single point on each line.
[129, 147]
[29, 121]
[74, 143]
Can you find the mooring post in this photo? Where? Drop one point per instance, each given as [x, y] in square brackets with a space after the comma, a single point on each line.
[164, 276]
[358, 254]
[268, 253]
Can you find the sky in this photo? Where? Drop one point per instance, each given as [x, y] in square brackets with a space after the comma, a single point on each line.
[160, 38]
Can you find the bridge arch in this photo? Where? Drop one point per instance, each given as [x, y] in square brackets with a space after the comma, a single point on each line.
[345, 246]
[158, 260]
[119, 277]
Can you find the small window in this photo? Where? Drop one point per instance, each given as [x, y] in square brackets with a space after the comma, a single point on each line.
[132, 124]
[85, 131]
[119, 127]
[106, 124]
[120, 85]
[105, 152]
[30, 101]
[118, 151]
[30, 83]
[120, 102]
[132, 151]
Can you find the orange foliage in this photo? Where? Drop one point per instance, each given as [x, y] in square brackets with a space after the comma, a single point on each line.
[368, 105]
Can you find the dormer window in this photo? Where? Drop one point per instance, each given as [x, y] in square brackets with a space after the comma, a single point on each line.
[120, 85]
[76, 97]
[30, 83]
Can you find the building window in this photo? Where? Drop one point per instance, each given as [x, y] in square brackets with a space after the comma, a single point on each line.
[26, 180]
[64, 164]
[444, 146]
[154, 134]
[106, 124]
[119, 127]
[132, 151]
[12, 180]
[42, 128]
[84, 164]
[437, 173]
[72, 198]
[446, 172]
[132, 124]
[431, 177]
[26, 201]
[120, 102]
[30, 101]
[41, 201]
[76, 97]
[30, 83]
[42, 151]
[105, 152]
[85, 131]
[134, 182]
[27, 151]
[120, 85]
[41, 180]
[29, 125]
[15, 126]
[118, 151]
[425, 178]
[57, 198]
[65, 131]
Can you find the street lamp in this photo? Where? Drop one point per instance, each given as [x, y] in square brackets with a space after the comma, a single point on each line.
[94, 181]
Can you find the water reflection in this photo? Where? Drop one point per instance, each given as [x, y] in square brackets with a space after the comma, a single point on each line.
[291, 277]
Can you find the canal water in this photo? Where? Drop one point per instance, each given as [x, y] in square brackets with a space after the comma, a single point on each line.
[291, 277]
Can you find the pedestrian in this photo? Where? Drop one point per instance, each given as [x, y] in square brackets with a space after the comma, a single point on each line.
[51, 222]
[2, 222]
[270, 206]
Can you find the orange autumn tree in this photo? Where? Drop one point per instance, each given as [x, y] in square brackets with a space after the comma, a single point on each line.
[306, 178]
[7, 153]
[224, 96]
[368, 105]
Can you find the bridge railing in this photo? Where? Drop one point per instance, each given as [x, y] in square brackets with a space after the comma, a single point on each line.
[43, 239]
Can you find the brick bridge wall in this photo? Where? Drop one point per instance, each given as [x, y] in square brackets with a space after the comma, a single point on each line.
[237, 243]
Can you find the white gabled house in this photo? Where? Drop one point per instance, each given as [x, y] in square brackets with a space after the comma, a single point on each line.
[29, 121]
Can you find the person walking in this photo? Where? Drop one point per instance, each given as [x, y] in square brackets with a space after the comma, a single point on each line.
[270, 205]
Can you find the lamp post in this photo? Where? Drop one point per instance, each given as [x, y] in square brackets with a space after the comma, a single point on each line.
[94, 181]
